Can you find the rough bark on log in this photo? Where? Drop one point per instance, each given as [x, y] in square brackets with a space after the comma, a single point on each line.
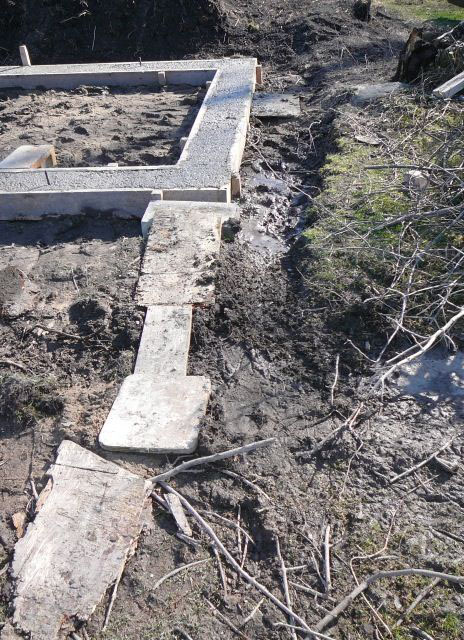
[417, 55]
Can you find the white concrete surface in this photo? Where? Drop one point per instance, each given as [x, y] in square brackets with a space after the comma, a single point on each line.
[156, 416]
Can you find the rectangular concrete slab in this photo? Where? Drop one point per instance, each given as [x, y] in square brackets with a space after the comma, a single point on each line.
[29, 156]
[276, 105]
[165, 342]
[180, 257]
[156, 415]
[89, 519]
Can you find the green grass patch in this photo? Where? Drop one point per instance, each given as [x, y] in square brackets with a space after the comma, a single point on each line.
[441, 12]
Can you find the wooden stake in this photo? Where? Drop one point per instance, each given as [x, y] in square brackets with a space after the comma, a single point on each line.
[24, 53]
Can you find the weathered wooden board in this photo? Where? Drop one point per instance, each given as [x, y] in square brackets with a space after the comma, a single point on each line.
[30, 156]
[88, 523]
[156, 415]
[165, 341]
[450, 88]
[276, 105]
[180, 258]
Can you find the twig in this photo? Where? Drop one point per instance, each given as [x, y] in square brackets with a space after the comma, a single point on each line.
[178, 570]
[253, 613]
[221, 572]
[213, 458]
[228, 523]
[416, 601]
[326, 555]
[309, 590]
[421, 634]
[423, 463]
[226, 620]
[335, 432]
[232, 474]
[333, 615]
[231, 560]
[453, 536]
[283, 571]
[334, 385]
[71, 336]
[12, 363]
[113, 599]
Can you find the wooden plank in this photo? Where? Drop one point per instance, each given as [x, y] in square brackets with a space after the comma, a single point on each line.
[78, 543]
[450, 88]
[165, 341]
[276, 105]
[156, 415]
[180, 258]
[178, 513]
[30, 156]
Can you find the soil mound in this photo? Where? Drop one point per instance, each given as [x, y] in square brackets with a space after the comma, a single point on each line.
[72, 31]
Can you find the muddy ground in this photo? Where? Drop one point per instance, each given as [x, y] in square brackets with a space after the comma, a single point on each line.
[93, 126]
[270, 345]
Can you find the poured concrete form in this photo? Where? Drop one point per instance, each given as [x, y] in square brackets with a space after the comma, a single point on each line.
[211, 154]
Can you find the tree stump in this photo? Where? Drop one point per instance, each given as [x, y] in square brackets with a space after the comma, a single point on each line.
[362, 10]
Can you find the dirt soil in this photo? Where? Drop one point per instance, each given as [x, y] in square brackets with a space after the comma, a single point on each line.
[92, 126]
[70, 330]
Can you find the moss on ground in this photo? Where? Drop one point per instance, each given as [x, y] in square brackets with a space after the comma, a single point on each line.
[351, 262]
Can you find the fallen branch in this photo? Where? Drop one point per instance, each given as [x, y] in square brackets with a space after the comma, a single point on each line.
[413, 216]
[333, 615]
[212, 458]
[423, 463]
[231, 560]
[12, 363]
[421, 634]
